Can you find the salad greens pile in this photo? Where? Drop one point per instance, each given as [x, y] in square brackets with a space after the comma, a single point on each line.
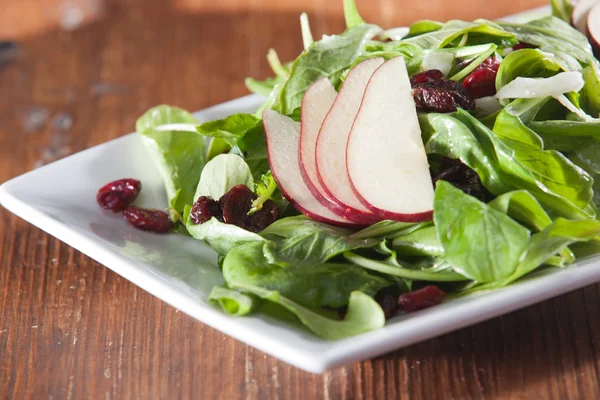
[539, 156]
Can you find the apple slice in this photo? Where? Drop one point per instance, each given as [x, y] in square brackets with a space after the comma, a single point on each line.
[283, 139]
[593, 29]
[386, 158]
[316, 103]
[333, 138]
[579, 17]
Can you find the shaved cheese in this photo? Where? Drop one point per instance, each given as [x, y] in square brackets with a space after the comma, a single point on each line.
[441, 60]
[530, 88]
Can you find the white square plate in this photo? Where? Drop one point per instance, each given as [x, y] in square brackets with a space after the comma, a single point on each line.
[60, 199]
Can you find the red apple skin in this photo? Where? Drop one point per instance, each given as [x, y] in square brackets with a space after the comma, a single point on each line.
[323, 199]
[299, 207]
[593, 19]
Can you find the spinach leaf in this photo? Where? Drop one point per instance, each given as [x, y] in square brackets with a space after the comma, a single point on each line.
[562, 9]
[424, 26]
[220, 236]
[221, 174]
[230, 129]
[253, 148]
[179, 155]
[302, 241]
[264, 87]
[311, 285]
[545, 244]
[382, 229]
[480, 242]
[351, 14]
[363, 315]
[478, 32]
[554, 36]
[589, 159]
[421, 242]
[328, 57]
[438, 270]
[590, 96]
[445, 135]
[232, 301]
[565, 135]
[549, 171]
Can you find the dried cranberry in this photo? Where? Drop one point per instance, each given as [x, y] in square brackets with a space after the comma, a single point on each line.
[235, 205]
[204, 209]
[462, 177]
[432, 75]
[522, 45]
[420, 299]
[436, 98]
[388, 303]
[265, 216]
[482, 81]
[119, 194]
[148, 219]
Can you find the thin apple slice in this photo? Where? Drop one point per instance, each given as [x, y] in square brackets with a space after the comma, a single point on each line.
[386, 158]
[316, 103]
[579, 17]
[283, 139]
[593, 29]
[333, 138]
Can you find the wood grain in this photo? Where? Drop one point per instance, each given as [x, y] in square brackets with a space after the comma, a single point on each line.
[72, 329]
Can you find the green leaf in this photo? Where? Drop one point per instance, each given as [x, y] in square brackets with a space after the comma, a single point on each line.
[230, 129]
[590, 96]
[421, 242]
[302, 241]
[564, 135]
[351, 14]
[221, 174]
[447, 136]
[328, 57]
[220, 236]
[552, 177]
[553, 35]
[232, 301]
[382, 230]
[424, 26]
[480, 242]
[363, 315]
[406, 271]
[264, 87]
[266, 189]
[545, 244]
[179, 155]
[562, 9]
[311, 285]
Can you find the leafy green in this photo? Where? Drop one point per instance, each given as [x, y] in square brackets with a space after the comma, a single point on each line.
[562, 9]
[404, 270]
[530, 63]
[590, 96]
[266, 189]
[424, 26]
[363, 315]
[221, 174]
[553, 35]
[328, 57]
[421, 242]
[303, 241]
[545, 244]
[179, 155]
[312, 285]
[480, 242]
[382, 229]
[264, 87]
[232, 301]
[220, 236]
[230, 129]
[351, 14]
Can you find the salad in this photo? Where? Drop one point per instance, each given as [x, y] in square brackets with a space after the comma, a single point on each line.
[388, 169]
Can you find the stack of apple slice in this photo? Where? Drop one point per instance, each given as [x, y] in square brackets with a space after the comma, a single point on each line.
[357, 157]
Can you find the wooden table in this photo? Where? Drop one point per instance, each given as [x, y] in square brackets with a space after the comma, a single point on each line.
[72, 329]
